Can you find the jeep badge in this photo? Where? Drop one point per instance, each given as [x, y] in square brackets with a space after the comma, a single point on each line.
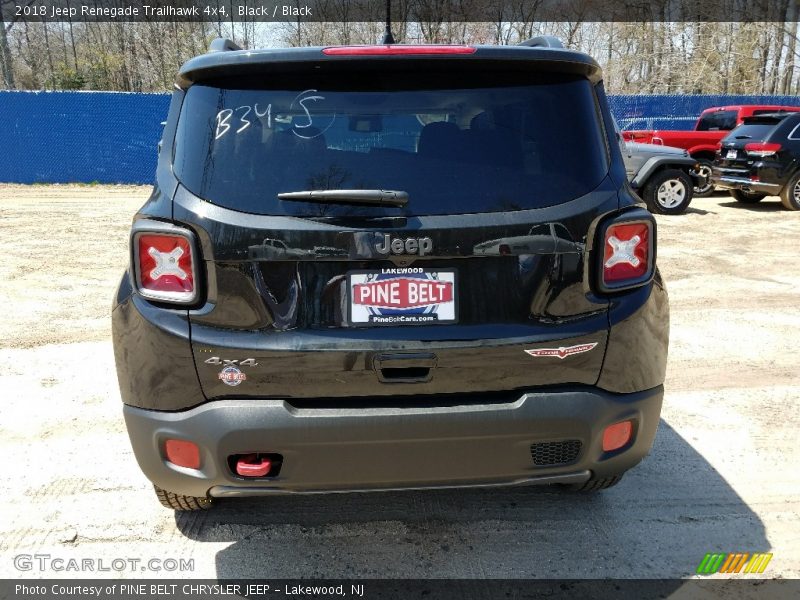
[421, 246]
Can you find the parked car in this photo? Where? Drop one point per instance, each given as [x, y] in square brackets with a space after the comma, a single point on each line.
[712, 125]
[761, 158]
[663, 176]
[400, 357]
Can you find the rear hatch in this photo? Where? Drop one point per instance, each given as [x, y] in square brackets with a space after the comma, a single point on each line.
[746, 145]
[446, 233]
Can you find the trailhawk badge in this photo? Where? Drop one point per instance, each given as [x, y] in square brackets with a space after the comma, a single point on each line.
[563, 351]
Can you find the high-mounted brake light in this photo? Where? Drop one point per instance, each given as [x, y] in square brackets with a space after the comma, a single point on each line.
[165, 266]
[628, 255]
[761, 149]
[397, 49]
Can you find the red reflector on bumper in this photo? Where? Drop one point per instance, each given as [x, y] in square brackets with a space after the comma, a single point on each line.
[617, 435]
[182, 453]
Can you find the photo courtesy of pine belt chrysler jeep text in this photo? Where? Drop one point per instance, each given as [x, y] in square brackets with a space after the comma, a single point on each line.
[389, 267]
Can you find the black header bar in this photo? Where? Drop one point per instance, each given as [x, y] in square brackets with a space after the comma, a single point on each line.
[493, 11]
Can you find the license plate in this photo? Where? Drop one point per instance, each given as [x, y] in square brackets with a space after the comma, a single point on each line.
[402, 296]
[731, 154]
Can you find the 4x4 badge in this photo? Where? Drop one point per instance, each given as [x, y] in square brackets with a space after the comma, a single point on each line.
[231, 374]
[247, 362]
[563, 351]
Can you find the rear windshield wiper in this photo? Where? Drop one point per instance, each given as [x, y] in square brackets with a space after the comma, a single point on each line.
[371, 197]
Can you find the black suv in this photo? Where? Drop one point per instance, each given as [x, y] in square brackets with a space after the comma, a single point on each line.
[761, 158]
[381, 267]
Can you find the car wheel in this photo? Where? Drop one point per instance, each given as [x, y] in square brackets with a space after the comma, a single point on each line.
[668, 192]
[704, 169]
[747, 197]
[180, 502]
[790, 195]
[595, 484]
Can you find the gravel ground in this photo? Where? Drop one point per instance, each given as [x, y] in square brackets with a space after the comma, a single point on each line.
[722, 476]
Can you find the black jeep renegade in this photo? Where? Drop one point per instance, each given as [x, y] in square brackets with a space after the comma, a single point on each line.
[382, 267]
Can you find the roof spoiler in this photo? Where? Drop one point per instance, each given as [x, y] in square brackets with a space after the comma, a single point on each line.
[222, 45]
[542, 41]
[776, 114]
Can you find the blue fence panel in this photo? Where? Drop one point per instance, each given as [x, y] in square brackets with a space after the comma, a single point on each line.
[59, 137]
[110, 137]
[679, 111]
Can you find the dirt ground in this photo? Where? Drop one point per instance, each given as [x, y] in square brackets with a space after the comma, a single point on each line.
[722, 476]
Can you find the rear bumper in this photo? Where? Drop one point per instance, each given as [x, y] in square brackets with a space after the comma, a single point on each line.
[335, 450]
[729, 182]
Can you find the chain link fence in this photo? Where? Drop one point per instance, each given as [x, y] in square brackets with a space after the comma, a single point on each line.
[111, 137]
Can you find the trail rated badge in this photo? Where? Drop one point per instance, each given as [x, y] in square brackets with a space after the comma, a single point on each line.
[563, 351]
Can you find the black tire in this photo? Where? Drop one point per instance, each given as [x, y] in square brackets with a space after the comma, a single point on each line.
[790, 194]
[747, 197]
[179, 502]
[704, 167]
[668, 192]
[594, 484]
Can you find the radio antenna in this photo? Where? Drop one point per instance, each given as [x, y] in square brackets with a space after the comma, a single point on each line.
[388, 38]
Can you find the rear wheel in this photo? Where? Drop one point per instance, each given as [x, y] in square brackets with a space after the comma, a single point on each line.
[668, 192]
[790, 195]
[704, 170]
[747, 197]
[180, 502]
[595, 484]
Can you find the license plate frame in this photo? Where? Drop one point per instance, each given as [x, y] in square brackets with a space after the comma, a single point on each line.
[378, 309]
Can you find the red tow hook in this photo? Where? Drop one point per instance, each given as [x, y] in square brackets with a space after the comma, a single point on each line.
[252, 466]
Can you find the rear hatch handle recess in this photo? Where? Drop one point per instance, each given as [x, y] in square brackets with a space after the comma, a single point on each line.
[405, 368]
[369, 197]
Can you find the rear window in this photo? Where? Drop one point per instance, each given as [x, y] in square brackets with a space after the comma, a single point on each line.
[752, 131]
[524, 142]
[718, 120]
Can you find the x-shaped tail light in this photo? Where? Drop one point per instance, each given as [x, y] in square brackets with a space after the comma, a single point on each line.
[623, 251]
[167, 263]
[164, 265]
[628, 254]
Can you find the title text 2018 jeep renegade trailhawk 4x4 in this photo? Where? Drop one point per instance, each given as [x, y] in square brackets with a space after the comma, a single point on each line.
[389, 267]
